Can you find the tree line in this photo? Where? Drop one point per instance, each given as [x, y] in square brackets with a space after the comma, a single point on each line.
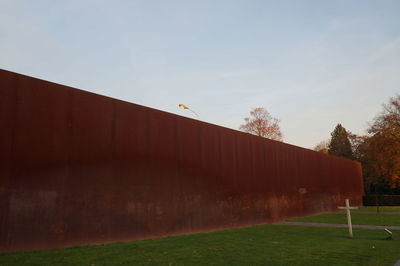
[378, 150]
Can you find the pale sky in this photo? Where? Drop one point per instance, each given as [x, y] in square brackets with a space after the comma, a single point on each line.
[312, 64]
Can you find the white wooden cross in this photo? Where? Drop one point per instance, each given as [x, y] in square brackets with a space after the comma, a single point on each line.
[348, 208]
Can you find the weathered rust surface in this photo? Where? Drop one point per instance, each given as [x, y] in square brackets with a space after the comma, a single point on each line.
[79, 168]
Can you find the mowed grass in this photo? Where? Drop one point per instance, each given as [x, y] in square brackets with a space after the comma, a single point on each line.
[356, 218]
[255, 245]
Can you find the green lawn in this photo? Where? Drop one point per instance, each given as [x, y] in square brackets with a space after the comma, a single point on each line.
[256, 245]
[356, 218]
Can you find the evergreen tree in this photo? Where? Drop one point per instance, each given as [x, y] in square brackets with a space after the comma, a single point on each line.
[340, 143]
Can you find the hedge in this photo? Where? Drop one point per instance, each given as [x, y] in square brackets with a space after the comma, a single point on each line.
[381, 200]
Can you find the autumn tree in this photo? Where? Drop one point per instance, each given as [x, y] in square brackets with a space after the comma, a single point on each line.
[323, 147]
[262, 124]
[378, 152]
[388, 121]
[340, 143]
[381, 150]
[358, 145]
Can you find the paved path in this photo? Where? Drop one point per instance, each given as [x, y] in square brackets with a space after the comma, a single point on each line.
[341, 225]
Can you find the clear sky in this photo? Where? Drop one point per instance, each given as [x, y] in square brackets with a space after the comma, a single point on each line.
[312, 64]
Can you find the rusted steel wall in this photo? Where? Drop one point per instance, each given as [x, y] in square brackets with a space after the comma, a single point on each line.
[80, 168]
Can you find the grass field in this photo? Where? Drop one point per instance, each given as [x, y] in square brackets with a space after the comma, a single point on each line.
[256, 245]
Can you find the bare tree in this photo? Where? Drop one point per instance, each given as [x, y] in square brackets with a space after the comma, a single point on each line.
[262, 124]
[389, 119]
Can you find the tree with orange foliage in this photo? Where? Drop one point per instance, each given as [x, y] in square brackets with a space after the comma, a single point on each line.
[323, 147]
[262, 124]
[380, 152]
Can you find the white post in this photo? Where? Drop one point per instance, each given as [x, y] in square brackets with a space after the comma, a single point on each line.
[349, 218]
[348, 208]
